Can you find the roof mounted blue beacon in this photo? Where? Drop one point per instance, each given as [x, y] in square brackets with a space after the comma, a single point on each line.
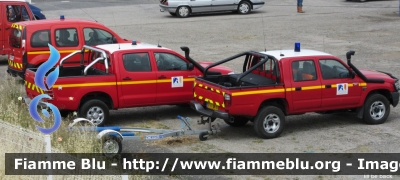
[133, 42]
[62, 17]
[297, 47]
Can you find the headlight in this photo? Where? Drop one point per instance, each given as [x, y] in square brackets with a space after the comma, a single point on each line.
[397, 85]
[233, 72]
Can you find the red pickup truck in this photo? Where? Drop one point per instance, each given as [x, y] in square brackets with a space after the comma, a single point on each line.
[275, 84]
[119, 76]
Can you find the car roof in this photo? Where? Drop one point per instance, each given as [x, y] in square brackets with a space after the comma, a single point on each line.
[291, 53]
[111, 48]
[13, 0]
[55, 21]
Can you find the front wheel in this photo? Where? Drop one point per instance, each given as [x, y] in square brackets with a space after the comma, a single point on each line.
[183, 11]
[269, 122]
[244, 7]
[376, 109]
[96, 111]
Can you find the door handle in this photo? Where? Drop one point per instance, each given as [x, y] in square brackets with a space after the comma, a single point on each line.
[7, 28]
[127, 78]
[161, 77]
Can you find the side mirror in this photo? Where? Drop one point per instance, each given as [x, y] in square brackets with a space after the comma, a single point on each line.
[352, 74]
[190, 66]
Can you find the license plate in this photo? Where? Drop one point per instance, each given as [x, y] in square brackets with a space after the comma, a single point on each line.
[11, 57]
[212, 106]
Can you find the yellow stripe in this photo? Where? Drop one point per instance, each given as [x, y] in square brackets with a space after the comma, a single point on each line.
[290, 89]
[258, 92]
[217, 103]
[194, 94]
[29, 85]
[206, 100]
[210, 101]
[363, 84]
[217, 91]
[84, 85]
[200, 85]
[312, 87]
[48, 52]
[188, 79]
[200, 97]
[223, 105]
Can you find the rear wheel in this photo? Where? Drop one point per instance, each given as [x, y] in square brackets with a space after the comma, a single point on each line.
[244, 7]
[96, 111]
[269, 122]
[183, 11]
[237, 121]
[376, 109]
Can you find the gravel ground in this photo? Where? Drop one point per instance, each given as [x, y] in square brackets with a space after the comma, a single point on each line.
[335, 26]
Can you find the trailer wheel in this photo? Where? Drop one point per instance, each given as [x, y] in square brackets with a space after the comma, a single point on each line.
[269, 122]
[96, 111]
[111, 146]
[377, 109]
[203, 136]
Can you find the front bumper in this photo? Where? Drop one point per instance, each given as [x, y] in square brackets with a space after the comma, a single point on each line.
[15, 73]
[207, 112]
[395, 98]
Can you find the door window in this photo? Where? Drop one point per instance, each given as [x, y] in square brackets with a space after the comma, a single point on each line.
[66, 37]
[13, 13]
[136, 62]
[170, 62]
[333, 69]
[94, 36]
[40, 38]
[25, 14]
[304, 70]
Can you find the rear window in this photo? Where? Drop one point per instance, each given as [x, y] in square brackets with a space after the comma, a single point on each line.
[40, 38]
[15, 37]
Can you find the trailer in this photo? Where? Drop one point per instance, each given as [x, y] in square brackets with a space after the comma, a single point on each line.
[112, 136]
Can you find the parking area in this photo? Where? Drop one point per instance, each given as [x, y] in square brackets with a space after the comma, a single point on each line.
[371, 29]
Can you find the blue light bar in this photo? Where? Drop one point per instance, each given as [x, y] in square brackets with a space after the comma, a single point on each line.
[62, 17]
[133, 42]
[297, 47]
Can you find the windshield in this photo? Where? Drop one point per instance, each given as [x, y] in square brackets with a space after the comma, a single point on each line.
[15, 37]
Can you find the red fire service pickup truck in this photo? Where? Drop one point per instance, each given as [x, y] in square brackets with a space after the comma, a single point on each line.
[275, 84]
[119, 76]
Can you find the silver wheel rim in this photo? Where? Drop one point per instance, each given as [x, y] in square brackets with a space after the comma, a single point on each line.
[244, 8]
[183, 11]
[95, 114]
[271, 123]
[110, 146]
[377, 110]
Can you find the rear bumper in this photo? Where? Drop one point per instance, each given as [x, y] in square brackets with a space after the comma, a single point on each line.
[207, 112]
[28, 100]
[15, 73]
[395, 98]
[164, 8]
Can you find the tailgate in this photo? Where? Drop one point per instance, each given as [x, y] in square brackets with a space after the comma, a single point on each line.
[209, 95]
[31, 89]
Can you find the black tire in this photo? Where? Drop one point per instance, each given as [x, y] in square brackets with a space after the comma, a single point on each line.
[376, 109]
[203, 136]
[172, 14]
[244, 7]
[92, 106]
[183, 11]
[111, 146]
[237, 122]
[269, 122]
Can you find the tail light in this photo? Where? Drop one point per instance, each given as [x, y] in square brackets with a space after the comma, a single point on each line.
[165, 2]
[227, 100]
[23, 46]
[50, 93]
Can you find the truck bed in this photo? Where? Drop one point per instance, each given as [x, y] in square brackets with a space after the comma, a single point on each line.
[248, 80]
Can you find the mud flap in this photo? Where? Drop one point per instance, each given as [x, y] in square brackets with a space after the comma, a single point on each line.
[360, 112]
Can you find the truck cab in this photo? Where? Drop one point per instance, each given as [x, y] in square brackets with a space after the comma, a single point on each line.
[12, 11]
[278, 83]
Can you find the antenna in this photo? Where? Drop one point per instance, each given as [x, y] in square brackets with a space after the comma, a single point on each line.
[119, 46]
[158, 43]
[90, 16]
[264, 32]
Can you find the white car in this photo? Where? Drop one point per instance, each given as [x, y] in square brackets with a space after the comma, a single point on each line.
[183, 8]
